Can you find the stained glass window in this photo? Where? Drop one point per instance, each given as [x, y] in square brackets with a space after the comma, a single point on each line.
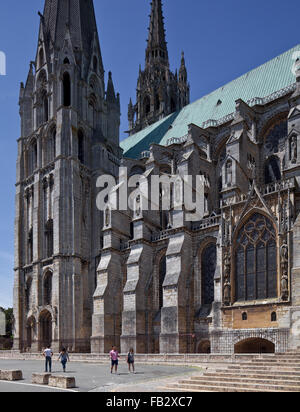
[256, 260]
[208, 265]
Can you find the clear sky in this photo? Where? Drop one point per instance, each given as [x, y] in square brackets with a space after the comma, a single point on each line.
[222, 40]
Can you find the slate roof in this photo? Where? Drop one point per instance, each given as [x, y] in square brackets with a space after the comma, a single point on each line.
[271, 77]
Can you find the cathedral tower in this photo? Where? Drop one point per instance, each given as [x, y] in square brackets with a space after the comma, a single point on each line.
[69, 136]
[159, 91]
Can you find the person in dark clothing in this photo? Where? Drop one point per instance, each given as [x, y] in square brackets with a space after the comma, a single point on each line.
[64, 358]
[130, 360]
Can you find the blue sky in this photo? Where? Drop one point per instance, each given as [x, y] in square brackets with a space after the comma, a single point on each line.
[221, 39]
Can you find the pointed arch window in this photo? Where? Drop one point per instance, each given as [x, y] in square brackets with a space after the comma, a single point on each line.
[49, 238]
[208, 268]
[81, 154]
[162, 275]
[45, 107]
[256, 260]
[28, 291]
[30, 246]
[66, 90]
[52, 145]
[47, 289]
[32, 157]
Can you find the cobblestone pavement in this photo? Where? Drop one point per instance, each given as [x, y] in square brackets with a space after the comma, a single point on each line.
[97, 377]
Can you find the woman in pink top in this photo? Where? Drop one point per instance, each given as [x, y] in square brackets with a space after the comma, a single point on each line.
[114, 356]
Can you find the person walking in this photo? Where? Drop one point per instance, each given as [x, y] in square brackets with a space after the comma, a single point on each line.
[114, 356]
[130, 360]
[48, 358]
[64, 358]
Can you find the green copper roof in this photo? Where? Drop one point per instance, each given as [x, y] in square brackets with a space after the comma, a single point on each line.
[261, 82]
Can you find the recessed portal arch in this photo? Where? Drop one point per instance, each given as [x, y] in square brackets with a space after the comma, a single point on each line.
[254, 345]
[45, 321]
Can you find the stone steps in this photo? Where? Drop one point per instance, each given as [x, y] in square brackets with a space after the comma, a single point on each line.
[223, 388]
[229, 374]
[266, 369]
[273, 373]
[241, 380]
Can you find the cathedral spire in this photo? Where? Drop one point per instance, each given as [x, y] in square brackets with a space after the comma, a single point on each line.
[75, 15]
[157, 45]
[159, 93]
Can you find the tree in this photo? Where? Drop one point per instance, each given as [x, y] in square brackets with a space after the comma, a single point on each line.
[9, 317]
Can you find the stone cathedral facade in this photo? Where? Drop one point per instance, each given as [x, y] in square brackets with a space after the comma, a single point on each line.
[149, 279]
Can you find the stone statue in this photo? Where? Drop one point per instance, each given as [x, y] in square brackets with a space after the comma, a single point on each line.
[284, 253]
[227, 266]
[229, 172]
[284, 287]
[294, 150]
[227, 294]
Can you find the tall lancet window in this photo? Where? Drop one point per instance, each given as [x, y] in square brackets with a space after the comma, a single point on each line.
[32, 157]
[81, 154]
[30, 246]
[162, 275]
[47, 289]
[28, 293]
[208, 268]
[66, 90]
[49, 238]
[45, 113]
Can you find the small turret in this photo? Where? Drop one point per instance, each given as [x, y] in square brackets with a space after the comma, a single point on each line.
[110, 93]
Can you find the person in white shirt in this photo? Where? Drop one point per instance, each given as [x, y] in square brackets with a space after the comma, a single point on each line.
[48, 356]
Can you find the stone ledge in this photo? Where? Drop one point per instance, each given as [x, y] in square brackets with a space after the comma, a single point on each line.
[62, 382]
[12, 375]
[41, 378]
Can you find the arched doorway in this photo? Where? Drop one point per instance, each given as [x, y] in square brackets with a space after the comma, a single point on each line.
[204, 347]
[45, 329]
[254, 345]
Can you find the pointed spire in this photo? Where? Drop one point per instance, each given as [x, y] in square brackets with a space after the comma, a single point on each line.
[157, 45]
[110, 93]
[183, 70]
[77, 15]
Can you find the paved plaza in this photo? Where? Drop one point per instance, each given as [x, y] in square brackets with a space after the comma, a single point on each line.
[96, 377]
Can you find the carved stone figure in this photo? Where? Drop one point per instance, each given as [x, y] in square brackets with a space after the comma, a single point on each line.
[294, 149]
[227, 294]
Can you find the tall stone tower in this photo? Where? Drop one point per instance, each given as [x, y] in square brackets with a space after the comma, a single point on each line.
[69, 136]
[159, 91]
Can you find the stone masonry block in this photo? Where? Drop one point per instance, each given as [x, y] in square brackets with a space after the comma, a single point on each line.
[41, 378]
[11, 375]
[63, 382]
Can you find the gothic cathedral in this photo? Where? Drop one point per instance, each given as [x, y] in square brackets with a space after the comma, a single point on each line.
[87, 280]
